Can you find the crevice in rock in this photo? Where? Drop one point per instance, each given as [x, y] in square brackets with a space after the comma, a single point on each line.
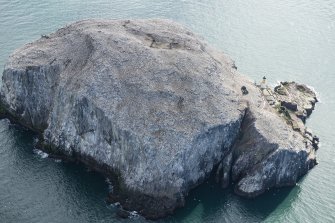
[153, 40]
[223, 170]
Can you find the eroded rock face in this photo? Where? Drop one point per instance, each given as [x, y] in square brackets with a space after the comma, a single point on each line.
[151, 103]
[146, 98]
[269, 154]
[274, 148]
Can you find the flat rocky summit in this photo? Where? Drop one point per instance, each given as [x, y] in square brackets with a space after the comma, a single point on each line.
[156, 109]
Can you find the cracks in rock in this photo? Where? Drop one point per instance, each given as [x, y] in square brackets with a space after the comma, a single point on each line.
[153, 41]
[171, 45]
[223, 170]
[90, 48]
[180, 103]
[158, 44]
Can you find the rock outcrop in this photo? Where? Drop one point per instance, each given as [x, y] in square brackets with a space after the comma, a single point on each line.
[150, 104]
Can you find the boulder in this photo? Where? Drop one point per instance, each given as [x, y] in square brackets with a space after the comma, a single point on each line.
[153, 107]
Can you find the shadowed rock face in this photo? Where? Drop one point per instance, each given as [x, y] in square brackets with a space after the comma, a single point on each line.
[149, 102]
[268, 154]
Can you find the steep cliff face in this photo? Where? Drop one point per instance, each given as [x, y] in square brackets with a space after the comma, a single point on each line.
[151, 103]
[268, 154]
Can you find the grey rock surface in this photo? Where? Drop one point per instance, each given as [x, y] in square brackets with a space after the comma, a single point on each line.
[151, 103]
[274, 148]
[296, 97]
[269, 154]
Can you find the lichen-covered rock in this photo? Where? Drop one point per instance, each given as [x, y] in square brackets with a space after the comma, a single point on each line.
[149, 103]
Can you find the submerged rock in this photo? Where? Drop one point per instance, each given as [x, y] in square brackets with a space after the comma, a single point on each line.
[150, 104]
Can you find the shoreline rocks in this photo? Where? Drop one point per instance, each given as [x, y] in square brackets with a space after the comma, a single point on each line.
[152, 106]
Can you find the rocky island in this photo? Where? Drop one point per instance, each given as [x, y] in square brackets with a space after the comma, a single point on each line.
[157, 110]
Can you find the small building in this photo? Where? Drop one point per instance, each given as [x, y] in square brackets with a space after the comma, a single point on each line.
[263, 84]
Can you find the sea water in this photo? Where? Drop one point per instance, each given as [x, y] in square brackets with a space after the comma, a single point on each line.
[282, 40]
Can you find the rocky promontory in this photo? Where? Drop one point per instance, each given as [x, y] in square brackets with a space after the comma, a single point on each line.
[153, 107]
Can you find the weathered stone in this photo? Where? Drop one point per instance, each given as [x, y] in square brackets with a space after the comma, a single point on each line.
[299, 98]
[289, 105]
[145, 98]
[269, 154]
[300, 101]
[151, 105]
